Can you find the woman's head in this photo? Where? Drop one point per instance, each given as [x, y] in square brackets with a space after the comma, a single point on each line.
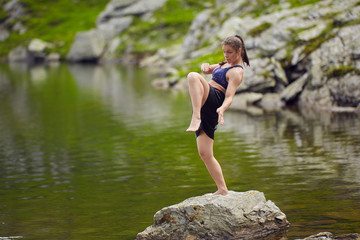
[235, 43]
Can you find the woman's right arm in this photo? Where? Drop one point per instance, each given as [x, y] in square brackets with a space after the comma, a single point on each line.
[206, 68]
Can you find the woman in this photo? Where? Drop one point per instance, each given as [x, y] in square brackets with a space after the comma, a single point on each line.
[210, 100]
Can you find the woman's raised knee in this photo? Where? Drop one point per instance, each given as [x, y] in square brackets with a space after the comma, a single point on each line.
[193, 76]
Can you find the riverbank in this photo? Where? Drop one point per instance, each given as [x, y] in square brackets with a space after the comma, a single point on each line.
[301, 53]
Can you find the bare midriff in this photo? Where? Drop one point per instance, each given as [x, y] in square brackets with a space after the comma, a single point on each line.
[218, 86]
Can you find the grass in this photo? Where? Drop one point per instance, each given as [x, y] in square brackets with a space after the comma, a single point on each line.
[55, 21]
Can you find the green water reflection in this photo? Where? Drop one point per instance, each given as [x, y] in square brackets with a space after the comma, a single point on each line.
[92, 152]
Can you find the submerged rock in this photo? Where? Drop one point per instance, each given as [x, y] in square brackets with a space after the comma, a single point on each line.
[329, 236]
[238, 215]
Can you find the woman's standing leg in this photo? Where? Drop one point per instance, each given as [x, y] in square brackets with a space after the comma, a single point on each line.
[205, 148]
[199, 91]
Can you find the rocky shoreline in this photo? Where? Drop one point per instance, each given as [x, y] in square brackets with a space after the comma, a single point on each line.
[304, 55]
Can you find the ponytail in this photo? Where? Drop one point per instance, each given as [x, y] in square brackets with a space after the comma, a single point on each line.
[243, 51]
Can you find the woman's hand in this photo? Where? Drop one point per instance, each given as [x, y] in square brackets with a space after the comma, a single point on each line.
[205, 67]
[220, 111]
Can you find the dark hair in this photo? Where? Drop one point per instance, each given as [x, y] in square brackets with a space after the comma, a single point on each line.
[237, 43]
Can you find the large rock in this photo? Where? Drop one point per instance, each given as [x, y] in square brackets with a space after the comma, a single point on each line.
[330, 236]
[334, 80]
[114, 27]
[193, 39]
[294, 89]
[19, 54]
[87, 46]
[120, 8]
[11, 19]
[38, 45]
[258, 78]
[304, 47]
[238, 215]
[118, 15]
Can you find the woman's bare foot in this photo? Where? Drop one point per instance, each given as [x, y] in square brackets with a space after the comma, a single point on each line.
[218, 192]
[194, 124]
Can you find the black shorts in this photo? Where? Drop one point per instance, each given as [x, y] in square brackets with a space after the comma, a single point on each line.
[209, 116]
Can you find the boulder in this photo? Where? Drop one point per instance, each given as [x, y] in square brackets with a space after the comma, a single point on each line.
[87, 46]
[330, 236]
[143, 7]
[195, 36]
[114, 27]
[320, 236]
[258, 78]
[271, 101]
[113, 8]
[243, 100]
[279, 72]
[4, 34]
[238, 215]
[294, 89]
[38, 45]
[19, 54]
[116, 18]
[53, 57]
[120, 8]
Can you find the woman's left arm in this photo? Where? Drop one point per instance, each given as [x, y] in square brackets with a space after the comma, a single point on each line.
[235, 78]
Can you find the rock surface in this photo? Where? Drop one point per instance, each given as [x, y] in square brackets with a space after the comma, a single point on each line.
[37, 51]
[118, 15]
[329, 236]
[238, 215]
[308, 54]
[87, 46]
[299, 53]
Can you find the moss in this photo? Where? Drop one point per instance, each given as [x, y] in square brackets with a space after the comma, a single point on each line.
[315, 43]
[341, 71]
[299, 3]
[262, 7]
[55, 22]
[295, 31]
[3, 15]
[259, 29]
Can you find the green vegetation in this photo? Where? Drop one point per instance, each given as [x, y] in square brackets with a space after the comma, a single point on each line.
[298, 3]
[3, 15]
[341, 71]
[315, 43]
[261, 7]
[259, 29]
[56, 22]
[309, 46]
[194, 66]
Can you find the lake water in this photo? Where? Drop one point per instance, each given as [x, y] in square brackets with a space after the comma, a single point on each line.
[92, 152]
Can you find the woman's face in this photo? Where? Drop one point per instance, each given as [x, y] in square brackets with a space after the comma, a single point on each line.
[230, 54]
